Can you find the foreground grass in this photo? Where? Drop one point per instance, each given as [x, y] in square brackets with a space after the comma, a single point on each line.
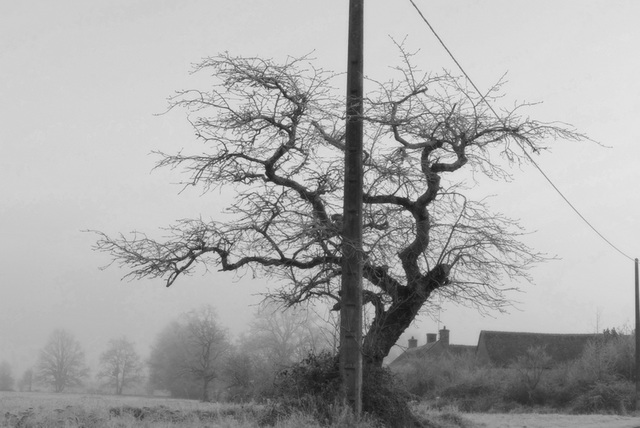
[78, 410]
[48, 410]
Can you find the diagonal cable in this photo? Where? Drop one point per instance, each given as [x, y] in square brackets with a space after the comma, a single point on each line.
[520, 144]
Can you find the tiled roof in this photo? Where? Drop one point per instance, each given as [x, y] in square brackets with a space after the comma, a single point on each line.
[502, 347]
[431, 350]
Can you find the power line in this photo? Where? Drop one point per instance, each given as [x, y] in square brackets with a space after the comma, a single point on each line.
[518, 142]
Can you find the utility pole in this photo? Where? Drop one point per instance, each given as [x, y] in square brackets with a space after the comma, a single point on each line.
[637, 334]
[351, 291]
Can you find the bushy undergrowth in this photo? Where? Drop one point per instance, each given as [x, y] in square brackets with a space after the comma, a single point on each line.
[427, 377]
[599, 381]
[312, 387]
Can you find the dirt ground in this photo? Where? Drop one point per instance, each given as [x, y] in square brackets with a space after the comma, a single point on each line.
[552, 421]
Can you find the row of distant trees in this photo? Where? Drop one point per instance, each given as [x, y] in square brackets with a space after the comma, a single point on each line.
[192, 357]
[61, 365]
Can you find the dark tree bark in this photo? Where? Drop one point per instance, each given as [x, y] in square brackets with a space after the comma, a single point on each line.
[275, 134]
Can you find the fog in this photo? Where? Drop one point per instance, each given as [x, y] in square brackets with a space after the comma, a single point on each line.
[84, 84]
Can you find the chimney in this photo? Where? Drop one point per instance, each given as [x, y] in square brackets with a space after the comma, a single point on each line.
[444, 336]
[413, 343]
[431, 337]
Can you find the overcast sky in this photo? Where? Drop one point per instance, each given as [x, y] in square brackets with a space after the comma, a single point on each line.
[82, 82]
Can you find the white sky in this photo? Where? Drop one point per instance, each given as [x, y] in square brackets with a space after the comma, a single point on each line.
[81, 82]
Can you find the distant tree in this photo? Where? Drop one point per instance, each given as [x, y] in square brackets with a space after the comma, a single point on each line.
[284, 335]
[531, 366]
[26, 381]
[275, 134]
[190, 350]
[120, 364]
[6, 377]
[277, 338]
[246, 376]
[61, 362]
[207, 344]
[166, 363]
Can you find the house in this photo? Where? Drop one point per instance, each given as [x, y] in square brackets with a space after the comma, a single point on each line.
[498, 348]
[434, 347]
[501, 348]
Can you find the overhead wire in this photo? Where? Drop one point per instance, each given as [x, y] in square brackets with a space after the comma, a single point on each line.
[533, 162]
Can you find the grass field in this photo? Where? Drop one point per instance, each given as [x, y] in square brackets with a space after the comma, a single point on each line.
[47, 410]
[532, 420]
[81, 410]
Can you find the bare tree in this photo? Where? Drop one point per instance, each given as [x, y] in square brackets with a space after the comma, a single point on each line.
[277, 338]
[283, 336]
[191, 349]
[207, 344]
[120, 364]
[61, 362]
[275, 134]
[531, 367]
[166, 363]
[246, 377]
[6, 377]
[26, 381]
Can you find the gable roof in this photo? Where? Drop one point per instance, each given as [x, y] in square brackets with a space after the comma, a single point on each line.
[433, 349]
[501, 348]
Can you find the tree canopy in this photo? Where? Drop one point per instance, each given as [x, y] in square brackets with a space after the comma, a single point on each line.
[274, 133]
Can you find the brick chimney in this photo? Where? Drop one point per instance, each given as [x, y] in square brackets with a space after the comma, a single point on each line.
[431, 337]
[444, 336]
[413, 343]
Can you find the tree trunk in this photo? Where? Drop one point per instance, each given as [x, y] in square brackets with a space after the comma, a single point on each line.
[205, 390]
[388, 325]
[387, 328]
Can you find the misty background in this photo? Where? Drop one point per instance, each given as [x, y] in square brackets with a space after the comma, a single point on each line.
[83, 87]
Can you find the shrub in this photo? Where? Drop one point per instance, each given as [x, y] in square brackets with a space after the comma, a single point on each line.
[605, 359]
[427, 376]
[622, 347]
[599, 380]
[384, 399]
[559, 393]
[615, 396]
[477, 390]
[312, 387]
[530, 368]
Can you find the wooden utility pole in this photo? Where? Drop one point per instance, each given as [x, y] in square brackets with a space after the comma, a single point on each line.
[637, 334]
[351, 292]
